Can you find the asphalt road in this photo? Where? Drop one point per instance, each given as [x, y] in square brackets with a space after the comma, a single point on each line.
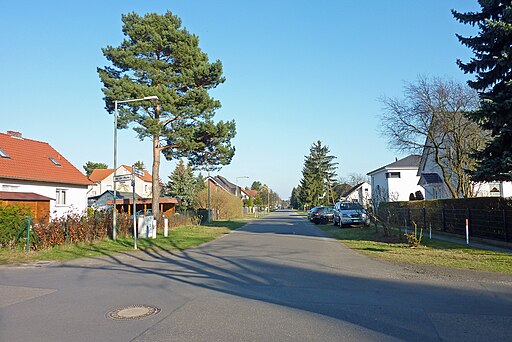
[277, 279]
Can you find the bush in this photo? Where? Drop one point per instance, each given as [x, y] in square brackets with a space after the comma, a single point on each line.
[12, 220]
[178, 220]
[226, 205]
[74, 228]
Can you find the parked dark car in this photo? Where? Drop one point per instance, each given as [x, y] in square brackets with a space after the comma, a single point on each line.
[350, 213]
[312, 211]
[322, 215]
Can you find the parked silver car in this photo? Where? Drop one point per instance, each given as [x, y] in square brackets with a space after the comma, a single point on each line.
[350, 213]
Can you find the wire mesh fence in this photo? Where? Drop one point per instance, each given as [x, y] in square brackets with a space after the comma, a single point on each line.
[494, 224]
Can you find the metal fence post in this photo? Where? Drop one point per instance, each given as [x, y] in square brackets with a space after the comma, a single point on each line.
[468, 222]
[505, 226]
[443, 218]
[29, 223]
[66, 232]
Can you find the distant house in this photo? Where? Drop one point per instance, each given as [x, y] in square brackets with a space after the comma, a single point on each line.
[395, 181]
[222, 183]
[248, 193]
[361, 193]
[35, 174]
[103, 180]
[432, 181]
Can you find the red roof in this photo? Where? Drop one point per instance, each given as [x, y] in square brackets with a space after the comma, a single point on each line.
[146, 177]
[97, 175]
[22, 196]
[26, 159]
[252, 193]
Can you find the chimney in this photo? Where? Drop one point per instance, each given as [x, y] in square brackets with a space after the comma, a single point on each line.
[15, 134]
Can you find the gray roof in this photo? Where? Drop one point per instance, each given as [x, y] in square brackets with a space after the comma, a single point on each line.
[232, 188]
[412, 161]
[430, 178]
[347, 193]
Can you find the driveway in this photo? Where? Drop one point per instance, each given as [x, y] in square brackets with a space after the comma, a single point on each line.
[277, 279]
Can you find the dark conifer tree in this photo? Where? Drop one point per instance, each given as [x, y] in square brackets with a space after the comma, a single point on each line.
[318, 177]
[492, 65]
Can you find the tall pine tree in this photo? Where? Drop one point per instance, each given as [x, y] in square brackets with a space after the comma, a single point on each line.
[492, 65]
[318, 177]
[159, 57]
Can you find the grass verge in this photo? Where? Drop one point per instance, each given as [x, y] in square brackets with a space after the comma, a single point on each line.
[179, 239]
[431, 251]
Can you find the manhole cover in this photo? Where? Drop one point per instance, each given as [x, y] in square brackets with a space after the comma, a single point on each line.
[133, 312]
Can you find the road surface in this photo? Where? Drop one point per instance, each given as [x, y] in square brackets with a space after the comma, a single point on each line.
[276, 279]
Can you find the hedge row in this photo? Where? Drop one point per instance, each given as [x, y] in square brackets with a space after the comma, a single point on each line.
[491, 203]
[73, 228]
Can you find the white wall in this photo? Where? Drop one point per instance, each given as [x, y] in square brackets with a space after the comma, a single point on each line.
[142, 188]
[362, 195]
[76, 195]
[401, 188]
[507, 189]
[394, 189]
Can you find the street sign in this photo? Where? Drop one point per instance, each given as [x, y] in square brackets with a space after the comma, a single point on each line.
[123, 178]
[138, 172]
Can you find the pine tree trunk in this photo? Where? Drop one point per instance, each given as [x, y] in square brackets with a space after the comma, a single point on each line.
[155, 192]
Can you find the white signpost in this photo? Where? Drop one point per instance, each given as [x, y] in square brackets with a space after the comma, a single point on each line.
[123, 178]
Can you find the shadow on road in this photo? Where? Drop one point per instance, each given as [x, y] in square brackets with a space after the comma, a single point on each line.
[234, 266]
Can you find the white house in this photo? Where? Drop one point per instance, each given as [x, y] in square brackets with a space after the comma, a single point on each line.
[361, 193]
[432, 181]
[103, 180]
[34, 167]
[395, 181]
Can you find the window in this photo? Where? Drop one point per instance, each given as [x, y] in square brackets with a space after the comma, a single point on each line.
[495, 190]
[54, 161]
[392, 174]
[60, 197]
[3, 154]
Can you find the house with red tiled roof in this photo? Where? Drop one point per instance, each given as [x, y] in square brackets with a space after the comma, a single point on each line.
[103, 180]
[250, 193]
[32, 170]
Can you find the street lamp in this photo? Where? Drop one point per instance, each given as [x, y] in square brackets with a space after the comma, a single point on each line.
[116, 102]
[236, 183]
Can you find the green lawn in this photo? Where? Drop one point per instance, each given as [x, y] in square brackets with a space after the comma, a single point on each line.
[430, 252]
[179, 239]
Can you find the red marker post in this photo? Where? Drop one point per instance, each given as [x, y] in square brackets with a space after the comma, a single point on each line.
[467, 231]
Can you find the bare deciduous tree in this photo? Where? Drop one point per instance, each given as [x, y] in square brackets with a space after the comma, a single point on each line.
[432, 115]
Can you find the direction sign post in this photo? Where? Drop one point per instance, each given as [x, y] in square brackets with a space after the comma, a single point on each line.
[123, 178]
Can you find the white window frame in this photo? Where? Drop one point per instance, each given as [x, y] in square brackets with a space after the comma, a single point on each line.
[60, 197]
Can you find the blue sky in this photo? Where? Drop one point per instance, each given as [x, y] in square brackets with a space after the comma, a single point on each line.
[296, 72]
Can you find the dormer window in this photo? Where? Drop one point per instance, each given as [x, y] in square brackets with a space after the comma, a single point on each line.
[54, 161]
[3, 154]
